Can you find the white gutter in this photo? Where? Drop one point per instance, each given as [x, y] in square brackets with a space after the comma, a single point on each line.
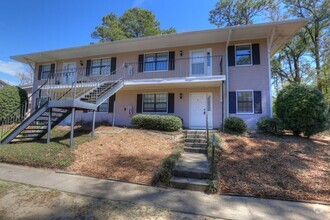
[269, 48]
[227, 75]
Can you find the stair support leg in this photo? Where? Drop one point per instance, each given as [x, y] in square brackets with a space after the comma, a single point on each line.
[93, 125]
[72, 126]
[49, 125]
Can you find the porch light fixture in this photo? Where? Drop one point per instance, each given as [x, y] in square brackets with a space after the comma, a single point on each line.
[181, 52]
[81, 63]
[180, 95]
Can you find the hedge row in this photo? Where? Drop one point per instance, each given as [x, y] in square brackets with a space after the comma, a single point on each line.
[157, 122]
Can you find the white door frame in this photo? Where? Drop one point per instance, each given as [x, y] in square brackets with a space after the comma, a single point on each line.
[66, 63]
[210, 113]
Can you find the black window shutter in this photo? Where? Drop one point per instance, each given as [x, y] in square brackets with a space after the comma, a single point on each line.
[88, 67]
[52, 69]
[141, 62]
[170, 103]
[139, 103]
[257, 102]
[39, 72]
[171, 63]
[255, 54]
[113, 65]
[112, 100]
[232, 102]
[231, 56]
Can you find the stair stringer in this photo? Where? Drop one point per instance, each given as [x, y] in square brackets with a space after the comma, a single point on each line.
[109, 93]
[25, 124]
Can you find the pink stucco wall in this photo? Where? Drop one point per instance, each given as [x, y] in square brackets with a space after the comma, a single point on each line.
[255, 78]
[125, 98]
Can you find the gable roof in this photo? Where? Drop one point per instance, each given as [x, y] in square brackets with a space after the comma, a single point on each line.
[283, 32]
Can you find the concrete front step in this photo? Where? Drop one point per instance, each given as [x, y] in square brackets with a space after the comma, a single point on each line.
[196, 136]
[202, 150]
[189, 183]
[196, 140]
[198, 145]
[192, 165]
[198, 132]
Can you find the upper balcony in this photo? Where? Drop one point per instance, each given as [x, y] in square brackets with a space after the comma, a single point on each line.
[197, 67]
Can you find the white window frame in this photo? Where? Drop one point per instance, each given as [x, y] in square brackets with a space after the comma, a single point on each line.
[245, 113]
[100, 58]
[168, 60]
[251, 55]
[153, 93]
[42, 71]
[209, 69]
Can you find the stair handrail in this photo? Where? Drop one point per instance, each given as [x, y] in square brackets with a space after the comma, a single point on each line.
[17, 117]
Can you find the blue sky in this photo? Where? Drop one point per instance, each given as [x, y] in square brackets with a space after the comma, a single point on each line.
[37, 25]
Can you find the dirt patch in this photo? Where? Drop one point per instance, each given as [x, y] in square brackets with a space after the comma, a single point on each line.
[283, 167]
[18, 202]
[129, 155]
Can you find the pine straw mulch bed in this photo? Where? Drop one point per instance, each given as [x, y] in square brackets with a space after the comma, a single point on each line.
[280, 167]
[124, 154]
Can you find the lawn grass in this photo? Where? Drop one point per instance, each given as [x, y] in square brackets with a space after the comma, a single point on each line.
[57, 154]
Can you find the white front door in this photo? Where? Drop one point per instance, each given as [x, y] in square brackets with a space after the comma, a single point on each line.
[68, 73]
[200, 62]
[200, 105]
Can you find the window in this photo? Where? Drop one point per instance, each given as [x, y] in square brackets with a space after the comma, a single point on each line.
[45, 71]
[155, 102]
[244, 101]
[101, 66]
[41, 101]
[156, 61]
[104, 107]
[243, 55]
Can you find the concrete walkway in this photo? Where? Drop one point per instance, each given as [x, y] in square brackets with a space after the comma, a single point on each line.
[228, 207]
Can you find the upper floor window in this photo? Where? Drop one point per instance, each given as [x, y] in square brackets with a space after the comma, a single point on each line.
[243, 54]
[155, 102]
[156, 61]
[101, 66]
[45, 71]
[244, 101]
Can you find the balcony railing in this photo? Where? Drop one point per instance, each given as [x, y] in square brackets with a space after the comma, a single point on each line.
[183, 67]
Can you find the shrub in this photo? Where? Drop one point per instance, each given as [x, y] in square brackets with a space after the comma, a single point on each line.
[235, 125]
[302, 108]
[11, 98]
[270, 125]
[157, 122]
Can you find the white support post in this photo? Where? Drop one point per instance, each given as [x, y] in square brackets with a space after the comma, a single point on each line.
[49, 125]
[113, 114]
[93, 125]
[227, 74]
[269, 47]
[72, 126]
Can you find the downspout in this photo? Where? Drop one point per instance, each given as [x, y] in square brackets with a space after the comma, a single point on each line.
[269, 47]
[227, 74]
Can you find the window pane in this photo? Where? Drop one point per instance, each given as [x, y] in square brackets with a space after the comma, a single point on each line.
[149, 66]
[96, 71]
[106, 62]
[161, 107]
[162, 56]
[243, 55]
[46, 68]
[161, 97]
[162, 65]
[105, 70]
[155, 103]
[149, 57]
[103, 107]
[245, 102]
[96, 63]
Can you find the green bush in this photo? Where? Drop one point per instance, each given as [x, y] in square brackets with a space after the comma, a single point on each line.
[157, 122]
[270, 125]
[235, 125]
[302, 109]
[11, 98]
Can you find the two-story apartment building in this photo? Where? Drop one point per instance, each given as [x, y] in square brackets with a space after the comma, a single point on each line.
[219, 72]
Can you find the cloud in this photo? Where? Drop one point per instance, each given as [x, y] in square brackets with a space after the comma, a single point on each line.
[138, 3]
[11, 68]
